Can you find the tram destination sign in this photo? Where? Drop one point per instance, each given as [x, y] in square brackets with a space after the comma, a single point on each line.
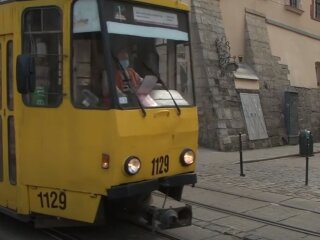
[145, 15]
[150, 16]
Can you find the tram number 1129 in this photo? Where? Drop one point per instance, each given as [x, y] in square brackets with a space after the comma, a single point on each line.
[53, 200]
[160, 165]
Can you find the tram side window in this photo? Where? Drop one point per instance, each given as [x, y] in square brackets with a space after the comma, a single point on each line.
[89, 77]
[12, 151]
[1, 70]
[183, 72]
[90, 85]
[1, 149]
[10, 75]
[42, 38]
[1, 152]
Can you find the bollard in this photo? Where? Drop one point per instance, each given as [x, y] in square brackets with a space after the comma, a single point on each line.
[307, 161]
[241, 158]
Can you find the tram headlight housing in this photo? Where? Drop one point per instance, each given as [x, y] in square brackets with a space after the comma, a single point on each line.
[187, 157]
[132, 165]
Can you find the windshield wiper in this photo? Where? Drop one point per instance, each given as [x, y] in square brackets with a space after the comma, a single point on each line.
[163, 85]
[127, 80]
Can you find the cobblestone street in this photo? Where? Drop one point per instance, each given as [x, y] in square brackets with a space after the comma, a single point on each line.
[284, 176]
[273, 190]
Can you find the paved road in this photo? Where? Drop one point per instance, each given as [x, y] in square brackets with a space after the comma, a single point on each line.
[279, 182]
[284, 176]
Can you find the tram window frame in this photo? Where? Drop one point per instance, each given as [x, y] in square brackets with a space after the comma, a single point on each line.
[1, 149]
[10, 75]
[43, 96]
[94, 97]
[94, 93]
[184, 86]
[12, 151]
[1, 130]
[1, 71]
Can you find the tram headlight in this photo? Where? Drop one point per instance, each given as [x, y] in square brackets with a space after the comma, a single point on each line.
[132, 165]
[187, 157]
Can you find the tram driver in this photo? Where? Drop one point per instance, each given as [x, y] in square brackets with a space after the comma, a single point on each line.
[126, 77]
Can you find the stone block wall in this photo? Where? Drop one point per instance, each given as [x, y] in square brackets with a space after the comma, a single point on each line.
[221, 117]
[274, 82]
[309, 110]
[273, 77]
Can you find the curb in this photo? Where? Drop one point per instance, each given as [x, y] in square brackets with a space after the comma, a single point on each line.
[272, 158]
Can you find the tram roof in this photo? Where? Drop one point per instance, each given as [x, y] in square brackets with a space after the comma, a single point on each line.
[177, 4]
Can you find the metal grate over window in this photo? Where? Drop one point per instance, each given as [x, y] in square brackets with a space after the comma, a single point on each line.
[295, 3]
[317, 8]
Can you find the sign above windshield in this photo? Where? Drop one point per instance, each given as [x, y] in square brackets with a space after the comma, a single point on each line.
[143, 15]
[86, 16]
[133, 20]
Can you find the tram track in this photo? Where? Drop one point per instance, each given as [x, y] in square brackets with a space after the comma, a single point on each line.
[167, 236]
[249, 217]
[257, 199]
[59, 235]
[252, 218]
[159, 233]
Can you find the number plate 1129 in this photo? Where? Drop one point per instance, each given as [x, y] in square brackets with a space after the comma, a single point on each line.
[160, 165]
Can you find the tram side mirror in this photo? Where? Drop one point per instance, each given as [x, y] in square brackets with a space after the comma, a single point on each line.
[26, 74]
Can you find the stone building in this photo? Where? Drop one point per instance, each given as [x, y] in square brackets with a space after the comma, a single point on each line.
[274, 92]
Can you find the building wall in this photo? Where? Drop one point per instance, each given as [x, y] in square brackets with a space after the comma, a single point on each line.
[233, 13]
[296, 50]
[272, 76]
[281, 46]
[220, 116]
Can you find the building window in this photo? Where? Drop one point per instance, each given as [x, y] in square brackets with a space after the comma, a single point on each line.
[318, 73]
[42, 38]
[295, 3]
[294, 6]
[317, 9]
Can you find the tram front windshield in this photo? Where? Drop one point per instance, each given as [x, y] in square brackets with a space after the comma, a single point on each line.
[150, 54]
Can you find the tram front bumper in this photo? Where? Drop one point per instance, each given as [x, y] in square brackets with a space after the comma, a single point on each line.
[172, 186]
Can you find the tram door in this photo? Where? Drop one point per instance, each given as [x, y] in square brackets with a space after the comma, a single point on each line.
[8, 173]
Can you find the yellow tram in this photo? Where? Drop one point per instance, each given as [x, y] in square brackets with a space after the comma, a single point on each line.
[97, 108]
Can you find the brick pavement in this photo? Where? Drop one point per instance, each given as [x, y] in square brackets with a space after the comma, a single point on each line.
[284, 175]
[273, 189]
